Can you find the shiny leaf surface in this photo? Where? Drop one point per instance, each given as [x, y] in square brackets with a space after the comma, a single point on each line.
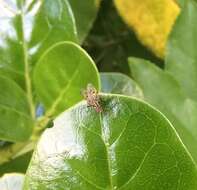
[27, 29]
[181, 60]
[12, 182]
[61, 74]
[117, 83]
[128, 146]
[15, 121]
[85, 13]
[163, 91]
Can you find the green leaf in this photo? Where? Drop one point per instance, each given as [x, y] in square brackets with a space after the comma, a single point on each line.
[162, 91]
[85, 13]
[130, 145]
[181, 2]
[12, 182]
[12, 96]
[181, 57]
[61, 74]
[27, 29]
[18, 164]
[15, 121]
[117, 83]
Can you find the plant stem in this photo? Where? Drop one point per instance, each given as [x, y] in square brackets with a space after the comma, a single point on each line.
[40, 126]
[29, 92]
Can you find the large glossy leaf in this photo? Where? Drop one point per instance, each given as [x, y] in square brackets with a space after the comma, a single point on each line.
[117, 83]
[181, 59]
[85, 13]
[61, 74]
[15, 121]
[12, 182]
[128, 146]
[162, 90]
[27, 29]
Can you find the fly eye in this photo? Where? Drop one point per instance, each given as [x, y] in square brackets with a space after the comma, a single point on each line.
[94, 91]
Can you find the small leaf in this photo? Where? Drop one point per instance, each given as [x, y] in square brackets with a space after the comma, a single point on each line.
[128, 146]
[162, 91]
[15, 121]
[181, 58]
[117, 83]
[61, 74]
[12, 181]
[85, 13]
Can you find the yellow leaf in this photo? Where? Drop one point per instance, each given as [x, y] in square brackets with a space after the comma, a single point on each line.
[151, 20]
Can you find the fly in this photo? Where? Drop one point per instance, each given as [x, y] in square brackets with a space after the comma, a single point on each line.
[92, 97]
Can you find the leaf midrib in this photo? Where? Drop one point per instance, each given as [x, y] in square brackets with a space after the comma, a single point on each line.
[28, 83]
[107, 154]
[108, 160]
